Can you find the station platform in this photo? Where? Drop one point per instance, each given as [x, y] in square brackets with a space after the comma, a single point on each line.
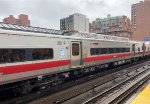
[143, 97]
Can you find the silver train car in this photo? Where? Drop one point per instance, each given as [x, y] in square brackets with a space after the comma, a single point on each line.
[32, 56]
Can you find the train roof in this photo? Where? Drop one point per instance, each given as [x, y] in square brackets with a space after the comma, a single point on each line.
[15, 27]
[96, 36]
[136, 42]
[45, 32]
[147, 42]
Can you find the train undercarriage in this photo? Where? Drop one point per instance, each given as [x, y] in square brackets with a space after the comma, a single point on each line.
[49, 81]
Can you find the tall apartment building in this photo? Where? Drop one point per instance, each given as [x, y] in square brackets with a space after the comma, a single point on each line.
[140, 17]
[22, 20]
[118, 25]
[75, 22]
[90, 27]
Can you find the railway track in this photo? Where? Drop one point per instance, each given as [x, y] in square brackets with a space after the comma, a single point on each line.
[66, 93]
[119, 93]
[72, 92]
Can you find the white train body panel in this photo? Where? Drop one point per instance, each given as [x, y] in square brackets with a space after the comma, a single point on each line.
[69, 52]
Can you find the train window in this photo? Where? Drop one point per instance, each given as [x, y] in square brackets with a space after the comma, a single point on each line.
[121, 50]
[19, 55]
[127, 49]
[12, 55]
[28, 54]
[117, 50]
[138, 48]
[95, 51]
[103, 50]
[143, 47]
[133, 47]
[111, 50]
[40, 54]
[75, 49]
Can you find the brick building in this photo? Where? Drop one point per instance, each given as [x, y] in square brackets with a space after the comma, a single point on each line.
[22, 20]
[118, 26]
[140, 17]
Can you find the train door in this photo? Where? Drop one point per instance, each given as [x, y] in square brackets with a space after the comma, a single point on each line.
[133, 49]
[76, 55]
[144, 49]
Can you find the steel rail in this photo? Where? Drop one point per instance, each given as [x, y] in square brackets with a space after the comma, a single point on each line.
[109, 91]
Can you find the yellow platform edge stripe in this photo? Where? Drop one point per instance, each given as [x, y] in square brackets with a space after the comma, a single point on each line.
[143, 97]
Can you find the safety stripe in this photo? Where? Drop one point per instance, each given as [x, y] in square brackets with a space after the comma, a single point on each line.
[30, 67]
[41, 66]
[106, 57]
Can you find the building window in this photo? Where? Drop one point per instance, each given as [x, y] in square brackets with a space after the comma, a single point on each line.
[108, 25]
[120, 23]
[120, 29]
[104, 25]
[113, 23]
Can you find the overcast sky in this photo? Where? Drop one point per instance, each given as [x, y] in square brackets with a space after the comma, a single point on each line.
[47, 13]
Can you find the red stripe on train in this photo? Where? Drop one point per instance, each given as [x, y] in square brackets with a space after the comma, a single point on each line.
[31, 67]
[147, 52]
[105, 57]
[40, 66]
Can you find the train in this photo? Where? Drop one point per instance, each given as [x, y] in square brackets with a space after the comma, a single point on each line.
[31, 56]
